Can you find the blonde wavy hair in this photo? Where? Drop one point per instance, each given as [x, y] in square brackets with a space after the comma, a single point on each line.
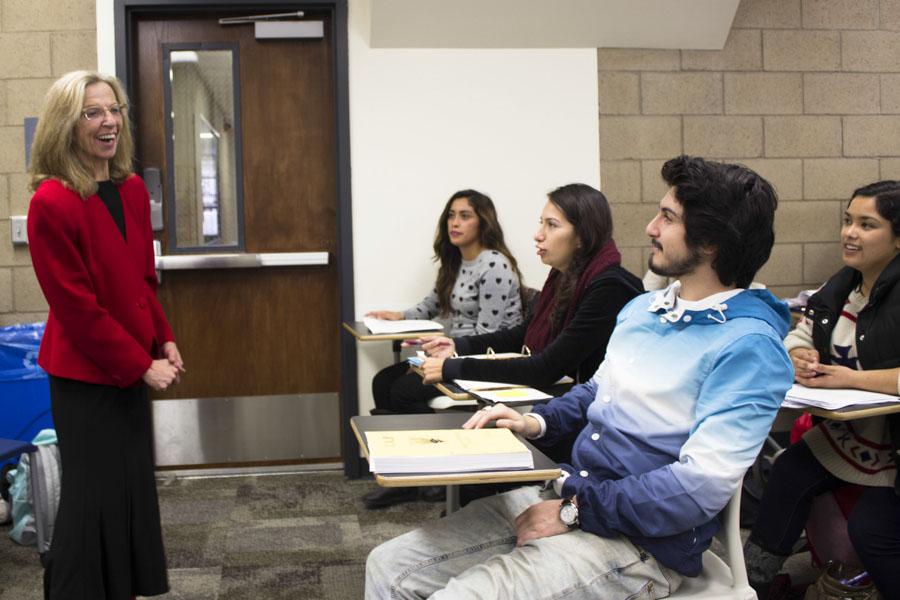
[54, 152]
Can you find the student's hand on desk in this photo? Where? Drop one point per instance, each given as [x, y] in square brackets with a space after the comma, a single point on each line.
[806, 362]
[831, 376]
[438, 346]
[539, 521]
[433, 369]
[387, 315]
[504, 417]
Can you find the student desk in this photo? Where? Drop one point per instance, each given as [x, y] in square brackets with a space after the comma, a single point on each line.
[544, 468]
[848, 413]
[359, 330]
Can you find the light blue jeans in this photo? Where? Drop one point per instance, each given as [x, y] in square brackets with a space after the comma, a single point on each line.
[472, 554]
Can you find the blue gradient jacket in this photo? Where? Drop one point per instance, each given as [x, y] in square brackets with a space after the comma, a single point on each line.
[672, 419]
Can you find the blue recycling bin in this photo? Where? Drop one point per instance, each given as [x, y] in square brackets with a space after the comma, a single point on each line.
[24, 389]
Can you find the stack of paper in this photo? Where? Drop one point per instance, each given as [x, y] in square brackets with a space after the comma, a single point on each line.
[379, 326]
[800, 396]
[446, 451]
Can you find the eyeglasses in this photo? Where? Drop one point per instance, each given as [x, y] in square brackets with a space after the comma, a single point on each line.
[96, 112]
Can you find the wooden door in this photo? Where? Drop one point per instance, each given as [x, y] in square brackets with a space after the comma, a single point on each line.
[254, 332]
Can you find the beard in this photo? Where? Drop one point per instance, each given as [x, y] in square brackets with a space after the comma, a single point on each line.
[678, 267]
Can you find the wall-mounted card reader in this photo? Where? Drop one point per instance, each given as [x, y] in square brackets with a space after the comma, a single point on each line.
[154, 187]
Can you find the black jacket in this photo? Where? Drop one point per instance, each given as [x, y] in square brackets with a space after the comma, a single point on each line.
[877, 327]
[577, 351]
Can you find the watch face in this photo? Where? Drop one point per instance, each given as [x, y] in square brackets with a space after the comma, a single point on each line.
[568, 513]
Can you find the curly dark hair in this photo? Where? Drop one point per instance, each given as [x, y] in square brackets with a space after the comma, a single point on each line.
[727, 207]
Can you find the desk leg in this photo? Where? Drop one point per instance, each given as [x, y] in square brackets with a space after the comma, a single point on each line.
[452, 499]
[396, 345]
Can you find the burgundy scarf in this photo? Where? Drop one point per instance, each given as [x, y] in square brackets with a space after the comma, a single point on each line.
[538, 335]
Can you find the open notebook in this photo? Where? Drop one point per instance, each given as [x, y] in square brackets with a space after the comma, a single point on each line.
[446, 451]
[800, 396]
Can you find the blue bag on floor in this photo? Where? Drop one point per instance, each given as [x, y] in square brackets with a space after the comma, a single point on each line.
[24, 389]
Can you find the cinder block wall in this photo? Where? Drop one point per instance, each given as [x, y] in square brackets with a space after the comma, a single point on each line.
[39, 41]
[806, 92]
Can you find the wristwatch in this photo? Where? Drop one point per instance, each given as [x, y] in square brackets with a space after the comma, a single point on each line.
[568, 513]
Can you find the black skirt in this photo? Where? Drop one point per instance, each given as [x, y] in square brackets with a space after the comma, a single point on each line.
[107, 540]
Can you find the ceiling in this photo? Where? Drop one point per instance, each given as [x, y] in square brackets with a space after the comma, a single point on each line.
[689, 24]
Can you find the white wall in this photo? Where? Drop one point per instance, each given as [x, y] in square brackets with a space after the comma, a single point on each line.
[424, 123]
[513, 124]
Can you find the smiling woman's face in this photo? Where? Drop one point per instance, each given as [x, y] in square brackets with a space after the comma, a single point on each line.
[868, 243]
[97, 138]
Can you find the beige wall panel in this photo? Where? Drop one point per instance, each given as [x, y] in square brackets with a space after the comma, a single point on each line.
[27, 295]
[723, 136]
[840, 93]
[16, 317]
[828, 178]
[785, 174]
[840, 14]
[786, 291]
[774, 14]
[763, 93]
[803, 136]
[820, 261]
[25, 98]
[639, 137]
[890, 93]
[24, 55]
[681, 93]
[620, 180]
[19, 194]
[619, 93]
[871, 50]
[801, 50]
[3, 103]
[627, 59]
[48, 15]
[784, 267]
[872, 136]
[890, 14]
[71, 50]
[630, 222]
[4, 197]
[889, 168]
[742, 52]
[12, 149]
[7, 256]
[808, 221]
[632, 259]
[6, 296]
[653, 188]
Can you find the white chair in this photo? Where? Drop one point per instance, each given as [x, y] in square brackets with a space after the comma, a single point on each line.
[719, 579]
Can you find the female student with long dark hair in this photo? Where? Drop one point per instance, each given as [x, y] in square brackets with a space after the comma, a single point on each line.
[848, 338]
[478, 288]
[568, 330]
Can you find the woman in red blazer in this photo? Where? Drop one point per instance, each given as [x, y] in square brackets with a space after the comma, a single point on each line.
[106, 341]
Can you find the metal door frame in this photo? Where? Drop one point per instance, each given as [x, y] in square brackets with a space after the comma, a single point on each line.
[125, 12]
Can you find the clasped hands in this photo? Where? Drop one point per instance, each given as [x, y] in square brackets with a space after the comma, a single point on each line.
[810, 372]
[538, 520]
[165, 371]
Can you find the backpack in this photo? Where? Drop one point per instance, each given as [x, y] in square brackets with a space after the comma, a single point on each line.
[35, 493]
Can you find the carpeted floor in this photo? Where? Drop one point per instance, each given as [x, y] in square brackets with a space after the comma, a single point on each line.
[298, 536]
[264, 537]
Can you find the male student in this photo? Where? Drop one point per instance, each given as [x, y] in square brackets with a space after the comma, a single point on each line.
[675, 414]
